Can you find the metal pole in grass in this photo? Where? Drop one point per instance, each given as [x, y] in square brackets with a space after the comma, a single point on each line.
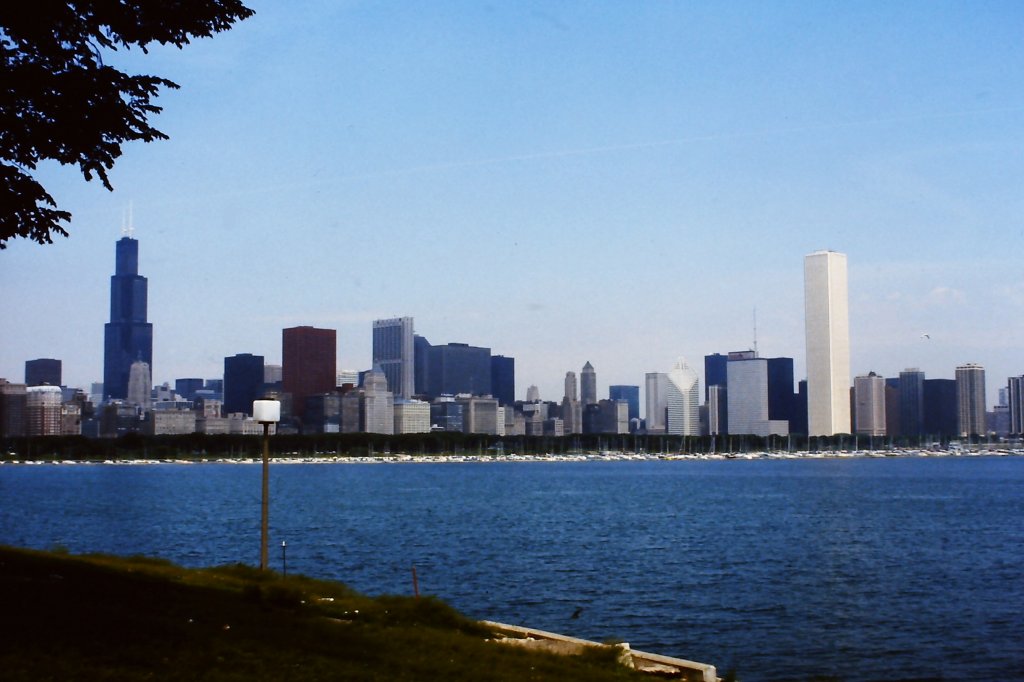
[284, 558]
[266, 412]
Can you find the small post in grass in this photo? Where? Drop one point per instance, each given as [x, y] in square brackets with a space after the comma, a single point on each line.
[284, 558]
[415, 583]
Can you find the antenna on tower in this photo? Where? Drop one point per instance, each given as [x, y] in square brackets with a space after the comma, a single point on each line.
[127, 222]
[755, 331]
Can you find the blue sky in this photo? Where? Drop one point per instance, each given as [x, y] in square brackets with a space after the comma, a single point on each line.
[620, 182]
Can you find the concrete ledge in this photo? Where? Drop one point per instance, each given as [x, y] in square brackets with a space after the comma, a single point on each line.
[664, 666]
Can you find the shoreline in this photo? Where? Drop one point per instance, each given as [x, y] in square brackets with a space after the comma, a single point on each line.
[403, 458]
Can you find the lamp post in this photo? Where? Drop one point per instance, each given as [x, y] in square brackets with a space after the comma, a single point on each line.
[266, 412]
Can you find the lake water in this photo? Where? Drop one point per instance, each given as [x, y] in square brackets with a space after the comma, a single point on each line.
[894, 568]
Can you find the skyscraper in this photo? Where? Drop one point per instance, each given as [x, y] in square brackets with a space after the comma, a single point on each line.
[656, 394]
[570, 386]
[42, 411]
[503, 379]
[378, 402]
[393, 353]
[893, 405]
[322, 413]
[458, 368]
[309, 363]
[572, 416]
[747, 395]
[970, 399]
[572, 408]
[128, 337]
[243, 382]
[940, 408]
[187, 387]
[631, 394]
[446, 414]
[869, 397]
[421, 356]
[140, 385]
[588, 385]
[718, 411]
[607, 416]
[682, 414]
[714, 372]
[827, 327]
[42, 371]
[272, 374]
[799, 422]
[781, 398]
[412, 416]
[13, 402]
[760, 399]
[1015, 401]
[481, 415]
[912, 403]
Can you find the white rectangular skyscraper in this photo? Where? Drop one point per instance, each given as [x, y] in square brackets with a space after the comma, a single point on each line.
[827, 325]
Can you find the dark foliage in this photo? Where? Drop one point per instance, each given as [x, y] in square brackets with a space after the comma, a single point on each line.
[60, 102]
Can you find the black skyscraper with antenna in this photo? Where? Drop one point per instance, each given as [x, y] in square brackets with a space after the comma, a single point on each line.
[128, 336]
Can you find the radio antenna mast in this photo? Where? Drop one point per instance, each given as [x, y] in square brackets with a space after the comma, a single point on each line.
[127, 222]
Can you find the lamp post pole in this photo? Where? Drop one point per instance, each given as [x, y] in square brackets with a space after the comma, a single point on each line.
[265, 497]
[266, 412]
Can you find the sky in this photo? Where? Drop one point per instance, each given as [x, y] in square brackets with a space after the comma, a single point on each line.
[622, 183]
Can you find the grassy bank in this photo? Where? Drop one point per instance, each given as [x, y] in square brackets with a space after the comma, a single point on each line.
[110, 618]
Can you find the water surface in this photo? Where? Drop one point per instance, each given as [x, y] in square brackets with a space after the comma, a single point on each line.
[859, 568]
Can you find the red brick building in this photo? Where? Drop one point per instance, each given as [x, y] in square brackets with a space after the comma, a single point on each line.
[309, 364]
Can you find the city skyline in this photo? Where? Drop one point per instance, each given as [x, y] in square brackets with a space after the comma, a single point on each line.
[824, 289]
[534, 153]
[757, 392]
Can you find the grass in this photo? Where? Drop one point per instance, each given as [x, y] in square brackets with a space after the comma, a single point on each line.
[99, 617]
